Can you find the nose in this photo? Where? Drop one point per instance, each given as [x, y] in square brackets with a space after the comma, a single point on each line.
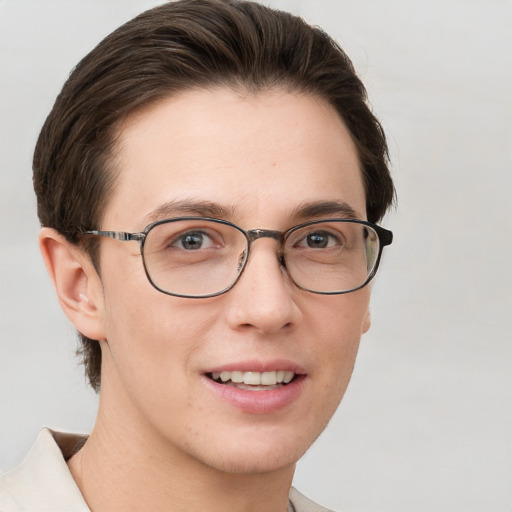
[263, 298]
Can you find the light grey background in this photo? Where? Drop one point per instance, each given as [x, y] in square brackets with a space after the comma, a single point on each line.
[426, 424]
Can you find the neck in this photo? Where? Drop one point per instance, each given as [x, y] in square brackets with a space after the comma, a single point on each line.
[123, 468]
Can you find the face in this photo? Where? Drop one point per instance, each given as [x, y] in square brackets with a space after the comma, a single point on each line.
[258, 161]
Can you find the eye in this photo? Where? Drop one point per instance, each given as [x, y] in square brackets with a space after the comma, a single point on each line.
[319, 240]
[193, 241]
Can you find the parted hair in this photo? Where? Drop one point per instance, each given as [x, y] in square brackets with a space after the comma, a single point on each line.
[172, 48]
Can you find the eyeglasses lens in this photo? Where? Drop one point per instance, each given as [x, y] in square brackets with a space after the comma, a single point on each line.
[197, 258]
[331, 257]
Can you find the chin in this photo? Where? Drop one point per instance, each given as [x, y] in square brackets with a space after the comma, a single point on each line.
[249, 463]
[257, 453]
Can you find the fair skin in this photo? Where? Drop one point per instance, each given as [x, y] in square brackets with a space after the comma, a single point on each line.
[165, 435]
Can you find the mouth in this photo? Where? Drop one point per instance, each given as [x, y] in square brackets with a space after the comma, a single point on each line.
[254, 381]
[257, 387]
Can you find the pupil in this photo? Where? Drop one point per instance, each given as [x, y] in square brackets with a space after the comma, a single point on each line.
[192, 241]
[317, 240]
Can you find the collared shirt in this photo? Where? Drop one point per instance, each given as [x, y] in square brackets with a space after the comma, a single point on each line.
[43, 482]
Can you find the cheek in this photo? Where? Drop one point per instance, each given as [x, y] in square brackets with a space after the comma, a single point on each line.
[341, 318]
[148, 352]
[151, 335]
[339, 322]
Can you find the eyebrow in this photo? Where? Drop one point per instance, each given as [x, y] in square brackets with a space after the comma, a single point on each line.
[323, 208]
[314, 209]
[190, 207]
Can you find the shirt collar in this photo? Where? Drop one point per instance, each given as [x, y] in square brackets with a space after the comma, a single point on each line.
[43, 481]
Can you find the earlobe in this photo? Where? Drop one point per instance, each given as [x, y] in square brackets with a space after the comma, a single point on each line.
[367, 321]
[76, 282]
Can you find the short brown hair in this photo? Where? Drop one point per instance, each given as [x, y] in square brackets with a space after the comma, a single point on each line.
[178, 46]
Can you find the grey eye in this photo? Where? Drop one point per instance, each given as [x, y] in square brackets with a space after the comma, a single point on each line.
[193, 241]
[317, 240]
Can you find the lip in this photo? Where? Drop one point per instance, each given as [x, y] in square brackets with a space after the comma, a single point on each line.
[259, 366]
[258, 402]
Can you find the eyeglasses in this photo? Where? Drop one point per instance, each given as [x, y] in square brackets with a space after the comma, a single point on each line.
[199, 257]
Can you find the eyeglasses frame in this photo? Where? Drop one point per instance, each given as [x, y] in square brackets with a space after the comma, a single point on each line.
[385, 238]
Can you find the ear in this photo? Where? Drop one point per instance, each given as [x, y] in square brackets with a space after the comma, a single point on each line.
[76, 282]
[367, 322]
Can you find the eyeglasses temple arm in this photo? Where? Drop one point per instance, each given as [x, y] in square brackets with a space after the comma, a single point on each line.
[118, 235]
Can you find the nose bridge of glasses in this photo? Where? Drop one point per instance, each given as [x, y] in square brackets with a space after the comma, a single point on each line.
[278, 236]
[254, 234]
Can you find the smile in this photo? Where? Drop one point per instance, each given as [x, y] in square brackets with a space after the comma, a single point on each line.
[254, 381]
[257, 392]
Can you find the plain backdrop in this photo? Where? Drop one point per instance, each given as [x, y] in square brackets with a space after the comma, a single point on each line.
[426, 424]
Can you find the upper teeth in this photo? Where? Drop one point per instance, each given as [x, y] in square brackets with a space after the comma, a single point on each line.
[255, 378]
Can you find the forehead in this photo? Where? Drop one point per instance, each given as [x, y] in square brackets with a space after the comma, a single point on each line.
[257, 156]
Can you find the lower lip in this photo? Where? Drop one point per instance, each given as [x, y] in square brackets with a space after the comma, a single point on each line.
[258, 402]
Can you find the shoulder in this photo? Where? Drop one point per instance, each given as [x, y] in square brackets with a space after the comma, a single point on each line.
[303, 504]
[42, 481]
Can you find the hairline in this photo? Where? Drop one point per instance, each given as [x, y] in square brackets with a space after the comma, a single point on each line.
[112, 163]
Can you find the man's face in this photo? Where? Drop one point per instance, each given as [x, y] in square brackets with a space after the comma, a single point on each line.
[261, 158]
